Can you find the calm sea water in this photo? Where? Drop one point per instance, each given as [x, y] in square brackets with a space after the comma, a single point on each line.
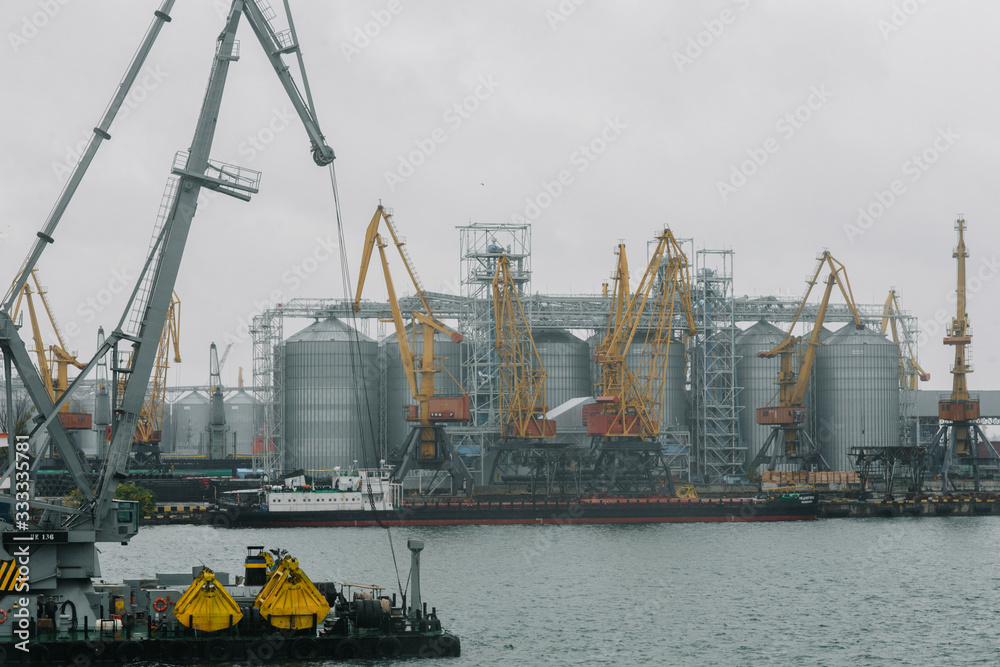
[831, 592]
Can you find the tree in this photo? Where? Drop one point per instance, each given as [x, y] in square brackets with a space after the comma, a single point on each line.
[23, 409]
[132, 491]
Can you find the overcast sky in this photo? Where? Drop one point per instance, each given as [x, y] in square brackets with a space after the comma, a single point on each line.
[775, 129]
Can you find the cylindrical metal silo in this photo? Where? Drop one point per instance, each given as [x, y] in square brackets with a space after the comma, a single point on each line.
[566, 360]
[330, 396]
[857, 394]
[189, 417]
[397, 387]
[239, 419]
[757, 382]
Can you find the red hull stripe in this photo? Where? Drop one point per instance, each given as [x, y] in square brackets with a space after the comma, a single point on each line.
[536, 521]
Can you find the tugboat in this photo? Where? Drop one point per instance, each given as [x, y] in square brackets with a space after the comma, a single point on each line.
[52, 608]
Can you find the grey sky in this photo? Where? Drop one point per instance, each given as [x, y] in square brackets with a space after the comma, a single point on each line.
[829, 103]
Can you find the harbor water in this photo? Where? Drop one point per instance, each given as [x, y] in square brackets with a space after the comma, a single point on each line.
[829, 592]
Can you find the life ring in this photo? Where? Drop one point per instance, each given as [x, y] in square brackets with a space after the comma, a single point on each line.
[160, 604]
[3, 616]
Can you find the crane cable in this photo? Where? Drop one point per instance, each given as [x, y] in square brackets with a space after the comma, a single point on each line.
[359, 378]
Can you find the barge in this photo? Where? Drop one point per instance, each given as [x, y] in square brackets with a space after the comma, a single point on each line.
[369, 498]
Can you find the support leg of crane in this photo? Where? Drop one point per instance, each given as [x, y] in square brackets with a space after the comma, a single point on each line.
[949, 450]
[814, 451]
[762, 454]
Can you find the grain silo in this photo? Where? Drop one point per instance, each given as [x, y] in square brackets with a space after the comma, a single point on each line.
[757, 382]
[329, 394]
[397, 387]
[566, 360]
[857, 394]
[188, 420]
[239, 419]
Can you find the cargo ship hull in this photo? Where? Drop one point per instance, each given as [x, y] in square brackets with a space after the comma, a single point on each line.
[578, 511]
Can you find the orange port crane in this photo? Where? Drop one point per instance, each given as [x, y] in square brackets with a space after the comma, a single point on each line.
[630, 400]
[53, 360]
[910, 372]
[624, 423]
[959, 433]
[522, 375]
[789, 416]
[428, 445]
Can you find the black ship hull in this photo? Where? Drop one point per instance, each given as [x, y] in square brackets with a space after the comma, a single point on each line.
[578, 511]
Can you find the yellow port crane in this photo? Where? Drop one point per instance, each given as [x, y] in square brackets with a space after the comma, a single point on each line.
[624, 423]
[910, 372]
[630, 399]
[53, 360]
[789, 416]
[959, 433]
[428, 445]
[149, 427]
[522, 375]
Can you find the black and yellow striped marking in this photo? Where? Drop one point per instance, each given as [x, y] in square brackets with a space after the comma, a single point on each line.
[8, 576]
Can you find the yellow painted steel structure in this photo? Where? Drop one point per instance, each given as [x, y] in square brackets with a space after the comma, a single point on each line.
[910, 372]
[207, 606]
[419, 372]
[633, 398]
[53, 360]
[522, 375]
[289, 600]
[792, 388]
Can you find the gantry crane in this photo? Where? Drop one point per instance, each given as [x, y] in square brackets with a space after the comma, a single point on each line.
[910, 372]
[53, 360]
[64, 556]
[428, 446]
[789, 416]
[959, 434]
[625, 422]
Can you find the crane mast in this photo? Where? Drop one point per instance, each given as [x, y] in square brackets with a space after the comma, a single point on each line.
[789, 416]
[630, 399]
[522, 375]
[66, 562]
[428, 445]
[959, 433]
[625, 422]
[910, 372]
